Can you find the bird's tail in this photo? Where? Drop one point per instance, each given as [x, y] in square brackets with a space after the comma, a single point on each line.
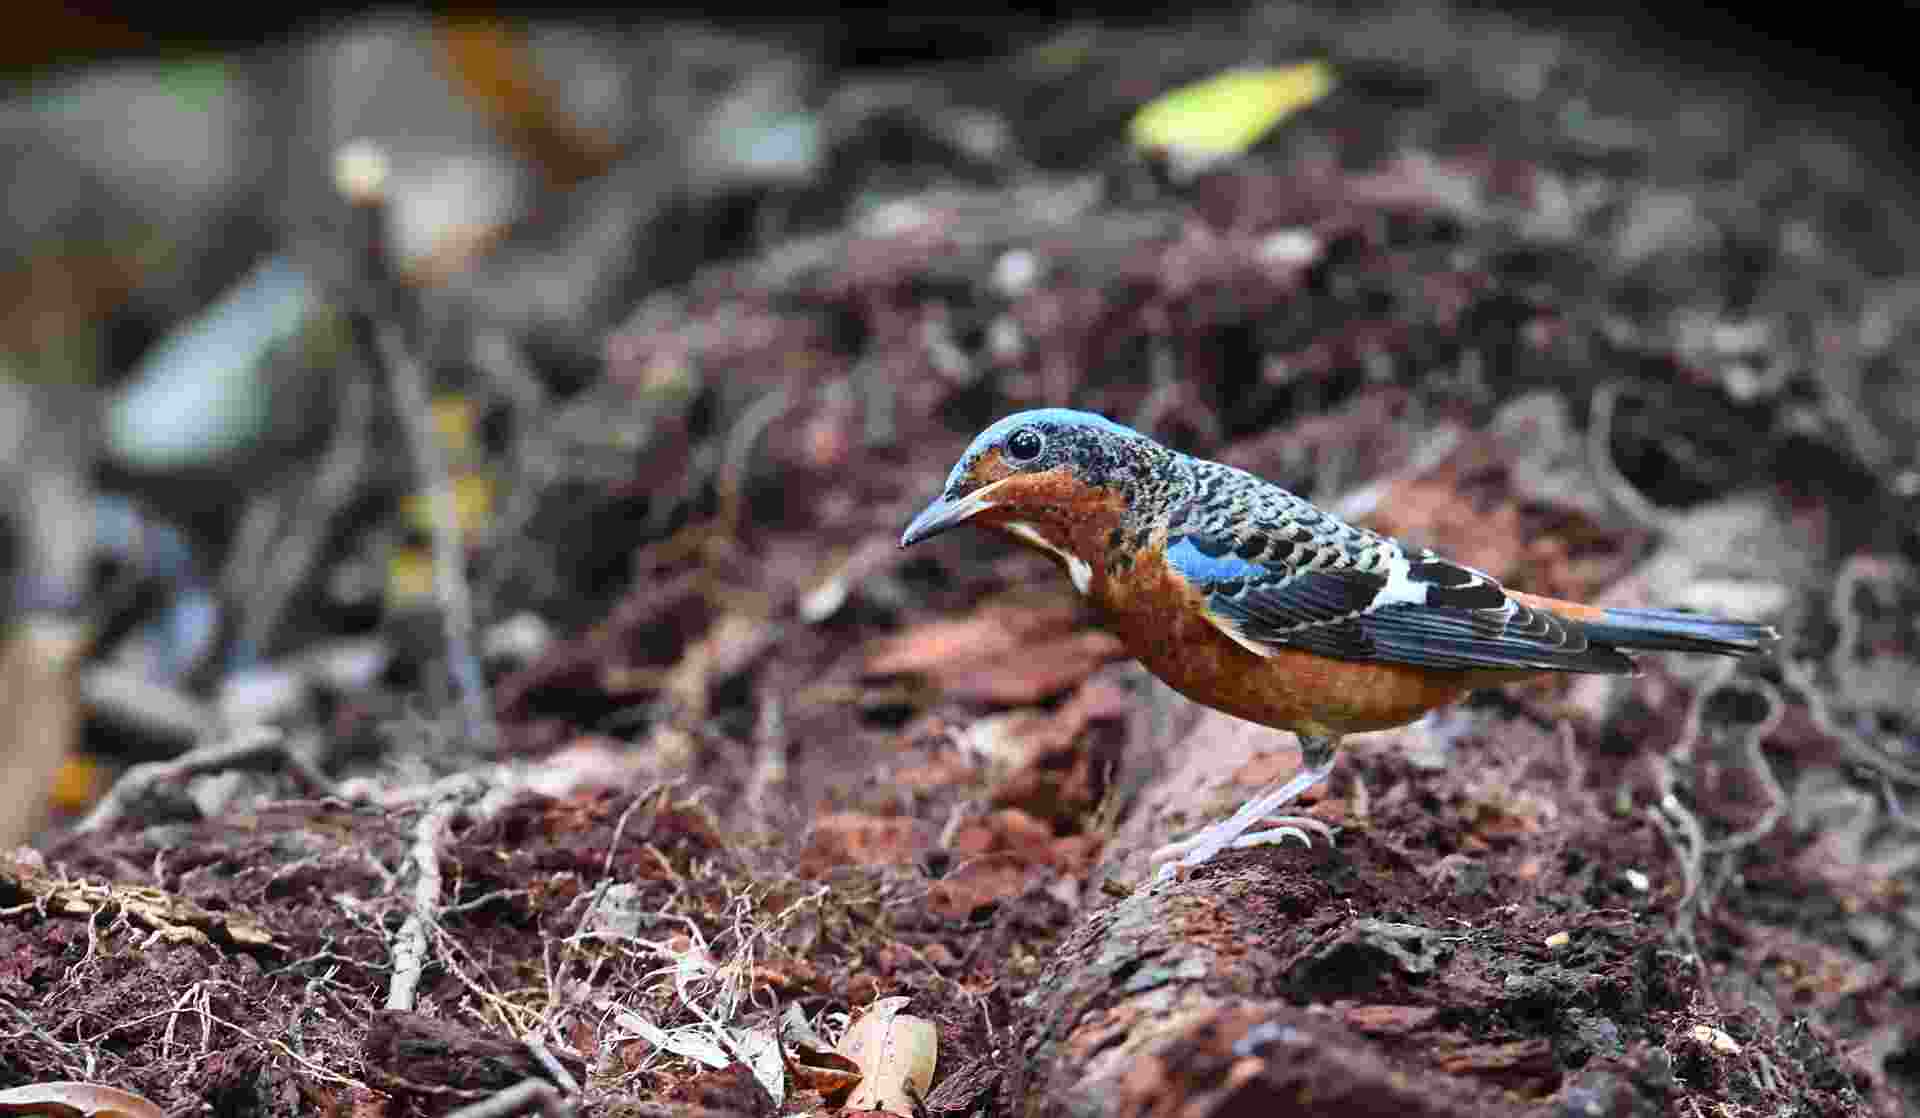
[1671, 630]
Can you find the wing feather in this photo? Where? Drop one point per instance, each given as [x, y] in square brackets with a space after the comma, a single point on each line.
[1418, 610]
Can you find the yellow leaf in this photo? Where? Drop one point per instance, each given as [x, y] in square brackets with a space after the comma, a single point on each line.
[1226, 114]
[454, 419]
[472, 504]
[493, 64]
[409, 576]
[896, 1054]
[80, 781]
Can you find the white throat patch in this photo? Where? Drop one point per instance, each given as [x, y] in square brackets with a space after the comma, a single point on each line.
[1077, 568]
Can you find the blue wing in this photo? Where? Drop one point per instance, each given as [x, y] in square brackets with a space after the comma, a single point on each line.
[1418, 610]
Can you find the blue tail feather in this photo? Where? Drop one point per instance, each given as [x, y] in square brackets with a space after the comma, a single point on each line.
[1670, 630]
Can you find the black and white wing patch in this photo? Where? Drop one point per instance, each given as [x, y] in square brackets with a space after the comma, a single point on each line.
[1418, 610]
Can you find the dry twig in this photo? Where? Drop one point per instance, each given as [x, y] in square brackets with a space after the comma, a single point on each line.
[361, 176]
[411, 943]
[261, 747]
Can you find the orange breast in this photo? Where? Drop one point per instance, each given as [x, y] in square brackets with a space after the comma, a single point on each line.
[1159, 617]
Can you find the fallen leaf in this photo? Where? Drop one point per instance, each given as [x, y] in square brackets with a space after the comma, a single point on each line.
[1222, 116]
[1051, 767]
[759, 1049]
[692, 1044]
[850, 838]
[69, 1099]
[833, 1075]
[799, 1032]
[491, 63]
[896, 1052]
[1008, 830]
[814, 1064]
[999, 654]
[977, 883]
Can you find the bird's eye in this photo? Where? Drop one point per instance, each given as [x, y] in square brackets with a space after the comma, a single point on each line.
[1024, 445]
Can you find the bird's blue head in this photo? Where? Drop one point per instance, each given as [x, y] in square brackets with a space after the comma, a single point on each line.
[1050, 465]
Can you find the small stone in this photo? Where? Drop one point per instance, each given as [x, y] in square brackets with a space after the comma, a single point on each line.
[517, 640]
[1015, 273]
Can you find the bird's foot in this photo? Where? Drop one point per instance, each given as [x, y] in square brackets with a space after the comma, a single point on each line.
[1231, 833]
[1202, 845]
[1290, 826]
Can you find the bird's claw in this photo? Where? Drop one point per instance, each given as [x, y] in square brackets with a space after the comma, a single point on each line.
[1294, 827]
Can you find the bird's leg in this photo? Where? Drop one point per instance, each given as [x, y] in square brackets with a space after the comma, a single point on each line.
[1316, 761]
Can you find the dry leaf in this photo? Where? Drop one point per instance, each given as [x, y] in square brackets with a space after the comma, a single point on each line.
[829, 1080]
[1012, 655]
[799, 1032]
[851, 838]
[759, 1049]
[814, 1065]
[491, 63]
[693, 1044]
[896, 1053]
[68, 1099]
[977, 883]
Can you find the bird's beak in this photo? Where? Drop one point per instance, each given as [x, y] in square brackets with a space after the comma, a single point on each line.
[945, 512]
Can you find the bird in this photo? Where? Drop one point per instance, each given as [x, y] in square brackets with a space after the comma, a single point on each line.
[1249, 599]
